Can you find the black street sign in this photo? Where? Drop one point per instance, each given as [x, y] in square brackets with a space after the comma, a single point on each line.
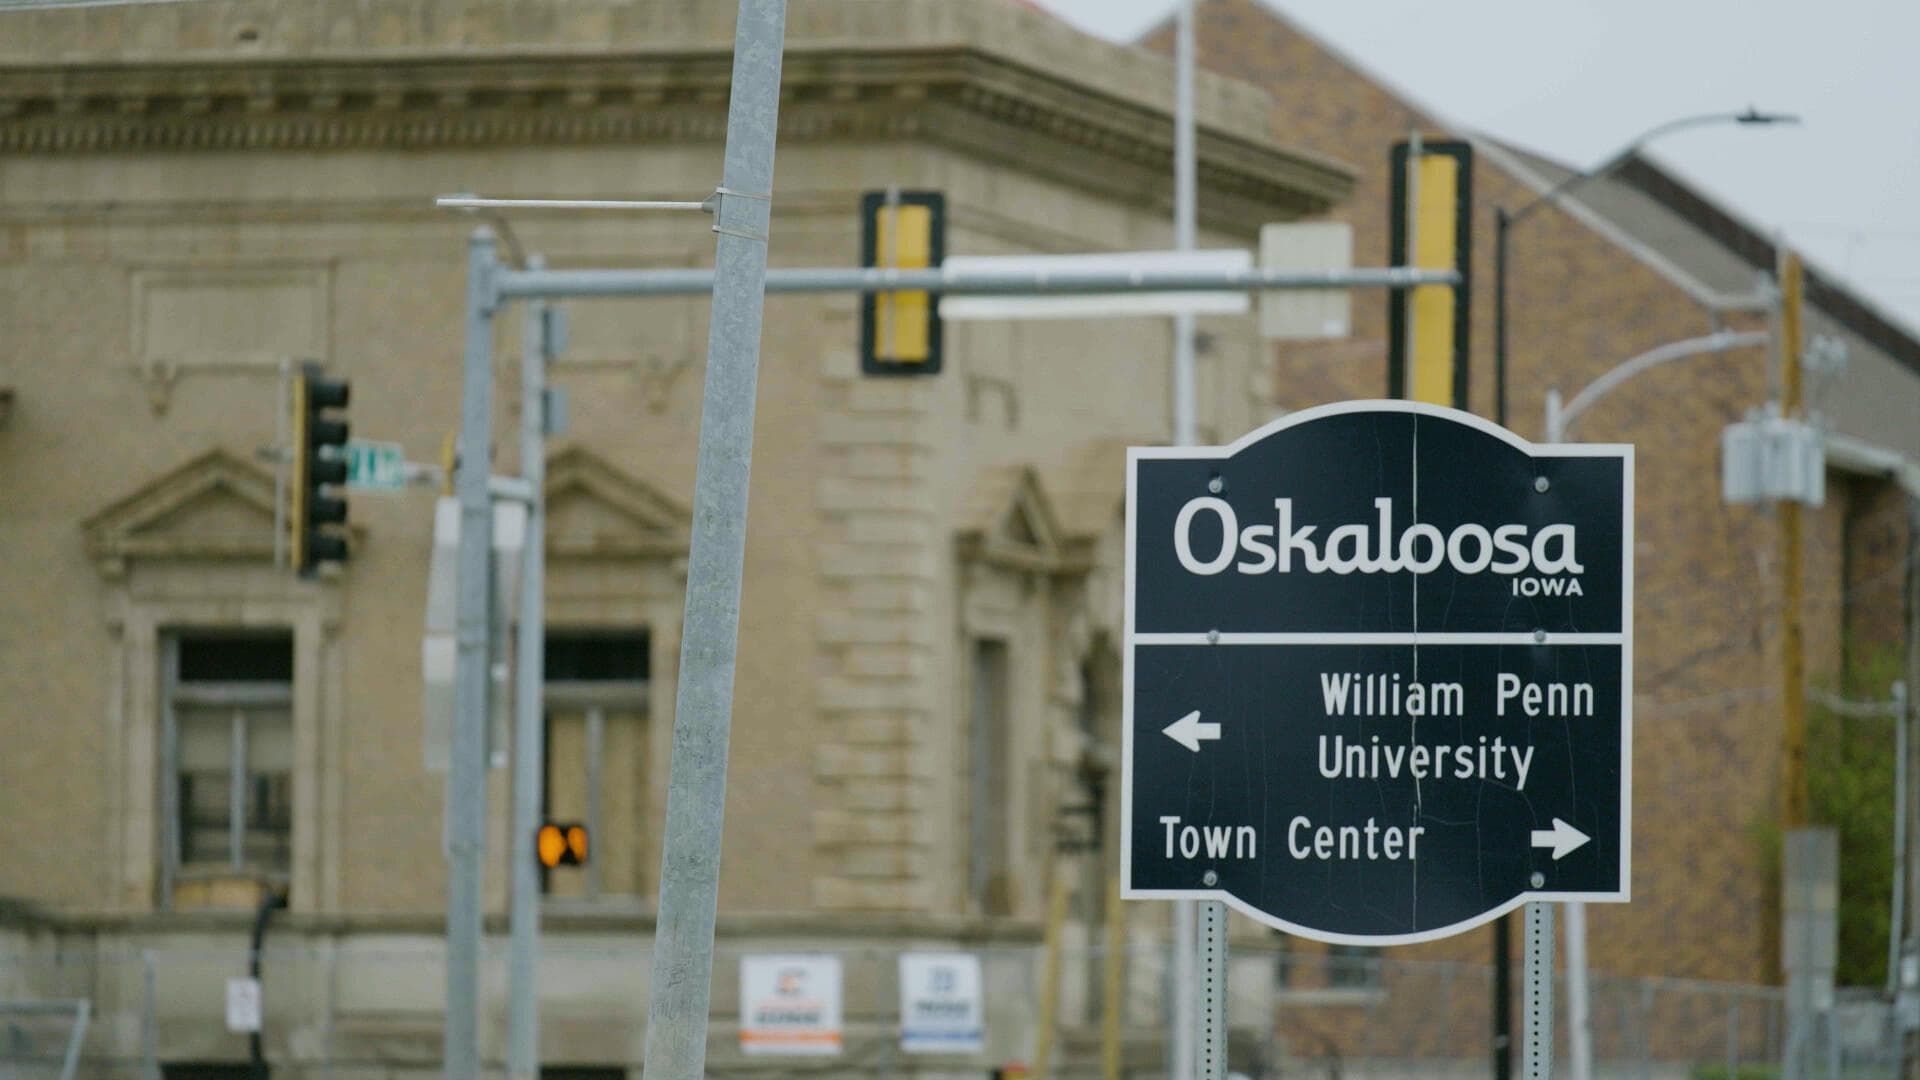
[1377, 662]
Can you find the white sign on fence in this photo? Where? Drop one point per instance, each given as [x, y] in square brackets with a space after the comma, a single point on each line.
[940, 1006]
[790, 1004]
[243, 1005]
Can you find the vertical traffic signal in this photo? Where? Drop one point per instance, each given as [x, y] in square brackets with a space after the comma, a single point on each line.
[319, 470]
[1431, 228]
[900, 331]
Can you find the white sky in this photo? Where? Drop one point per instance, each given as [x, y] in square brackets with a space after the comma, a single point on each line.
[1577, 79]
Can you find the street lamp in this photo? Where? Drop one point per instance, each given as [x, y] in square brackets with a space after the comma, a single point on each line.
[1504, 220]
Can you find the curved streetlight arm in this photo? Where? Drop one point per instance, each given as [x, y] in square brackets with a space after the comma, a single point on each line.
[1561, 417]
[1702, 120]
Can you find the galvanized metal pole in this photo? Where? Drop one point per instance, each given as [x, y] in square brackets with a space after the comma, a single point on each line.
[1896, 916]
[467, 773]
[1579, 1019]
[1184, 205]
[529, 679]
[703, 712]
[1182, 1045]
[1537, 1059]
[1579, 1013]
[1212, 1008]
[1904, 930]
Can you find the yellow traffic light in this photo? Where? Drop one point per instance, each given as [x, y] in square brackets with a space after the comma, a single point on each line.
[561, 844]
[1431, 229]
[900, 331]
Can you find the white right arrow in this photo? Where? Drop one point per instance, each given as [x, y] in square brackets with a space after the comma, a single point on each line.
[1188, 731]
[1562, 838]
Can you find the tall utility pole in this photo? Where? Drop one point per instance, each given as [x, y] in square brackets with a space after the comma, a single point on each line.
[529, 763]
[682, 983]
[473, 589]
[1793, 662]
[1181, 1043]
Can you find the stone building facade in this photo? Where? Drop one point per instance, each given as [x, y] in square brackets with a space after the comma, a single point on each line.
[194, 193]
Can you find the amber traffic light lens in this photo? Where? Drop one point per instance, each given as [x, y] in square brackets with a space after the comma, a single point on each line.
[551, 845]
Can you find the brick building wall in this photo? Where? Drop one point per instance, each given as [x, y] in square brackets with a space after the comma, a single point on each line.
[1706, 724]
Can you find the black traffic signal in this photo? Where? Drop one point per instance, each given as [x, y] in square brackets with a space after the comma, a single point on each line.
[319, 470]
[561, 843]
[900, 331]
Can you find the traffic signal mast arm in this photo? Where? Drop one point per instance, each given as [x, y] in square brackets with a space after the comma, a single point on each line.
[678, 282]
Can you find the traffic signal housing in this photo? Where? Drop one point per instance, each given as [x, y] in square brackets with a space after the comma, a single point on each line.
[900, 330]
[561, 843]
[319, 511]
[1431, 228]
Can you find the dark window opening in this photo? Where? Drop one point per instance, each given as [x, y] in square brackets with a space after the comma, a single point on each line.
[583, 1072]
[210, 1070]
[597, 656]
[237, 658]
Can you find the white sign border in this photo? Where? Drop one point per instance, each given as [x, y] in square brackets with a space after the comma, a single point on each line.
[1624, 451]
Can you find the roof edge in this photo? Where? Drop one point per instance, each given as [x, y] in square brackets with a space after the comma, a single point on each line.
[1743, 240]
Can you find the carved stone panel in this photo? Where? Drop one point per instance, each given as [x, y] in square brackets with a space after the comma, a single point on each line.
[226, 320]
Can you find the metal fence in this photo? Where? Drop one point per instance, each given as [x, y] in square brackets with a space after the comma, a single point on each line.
[351, 1009]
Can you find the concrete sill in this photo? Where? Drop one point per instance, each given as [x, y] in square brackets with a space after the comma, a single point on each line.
[1357, 997]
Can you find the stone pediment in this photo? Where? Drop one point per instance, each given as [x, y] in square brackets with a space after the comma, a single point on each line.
[217, 505]
[1009, 521]
[1090, 491]
[596, 511]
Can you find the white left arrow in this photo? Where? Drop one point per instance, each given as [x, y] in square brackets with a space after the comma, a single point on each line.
[1189, 732]
[1562, 838]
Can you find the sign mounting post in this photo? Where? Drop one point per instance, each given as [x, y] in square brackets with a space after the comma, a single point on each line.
[1378, 669]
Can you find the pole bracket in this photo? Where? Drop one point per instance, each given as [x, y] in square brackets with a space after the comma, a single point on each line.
[715, 202]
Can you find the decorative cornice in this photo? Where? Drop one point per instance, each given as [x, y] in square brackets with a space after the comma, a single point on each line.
[982, 104]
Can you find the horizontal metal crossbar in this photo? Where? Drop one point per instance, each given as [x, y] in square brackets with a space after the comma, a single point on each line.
[474, 202]
[671, 282]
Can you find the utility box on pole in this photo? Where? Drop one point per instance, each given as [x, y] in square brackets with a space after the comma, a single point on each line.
[1768, 457]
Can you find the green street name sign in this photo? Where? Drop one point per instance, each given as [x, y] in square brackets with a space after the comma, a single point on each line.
[376, 466]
